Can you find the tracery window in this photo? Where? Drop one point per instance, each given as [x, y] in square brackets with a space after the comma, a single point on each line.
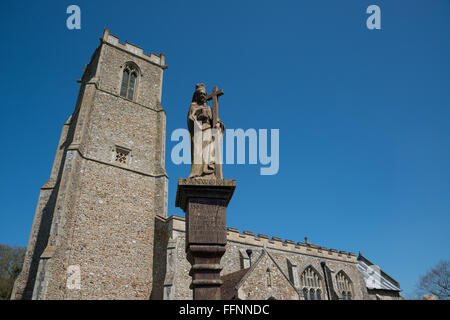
[311, 282]
[129, 81]
[344, 285]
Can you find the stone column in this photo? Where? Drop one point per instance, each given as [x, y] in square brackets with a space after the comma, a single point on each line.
[205, 201]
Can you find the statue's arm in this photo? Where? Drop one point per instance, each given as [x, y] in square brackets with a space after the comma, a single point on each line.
[197, 118]
[191, 113]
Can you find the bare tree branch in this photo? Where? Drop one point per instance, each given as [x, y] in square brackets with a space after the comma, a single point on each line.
[435, 282]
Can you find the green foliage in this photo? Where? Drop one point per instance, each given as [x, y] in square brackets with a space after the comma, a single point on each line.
[11, 259]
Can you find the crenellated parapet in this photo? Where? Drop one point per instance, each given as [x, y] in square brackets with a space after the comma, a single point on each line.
[158, 59]
[249, 238]
[177, 224]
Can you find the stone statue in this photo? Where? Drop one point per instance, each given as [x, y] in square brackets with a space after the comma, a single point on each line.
[206, 132]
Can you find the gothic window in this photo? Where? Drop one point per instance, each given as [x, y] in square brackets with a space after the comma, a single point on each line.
[311, 294]
[305, 293]
[344, 285]
[346, 295]
[311, 282]
[121, 155]
[129, 80]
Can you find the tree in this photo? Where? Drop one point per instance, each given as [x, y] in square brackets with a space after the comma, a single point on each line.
[435, 282]
[11, 259]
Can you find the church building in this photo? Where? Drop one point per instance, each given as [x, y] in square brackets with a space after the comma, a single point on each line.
[101, 228]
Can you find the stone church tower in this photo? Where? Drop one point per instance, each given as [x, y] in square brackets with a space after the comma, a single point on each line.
[94, 225]
[101, 229]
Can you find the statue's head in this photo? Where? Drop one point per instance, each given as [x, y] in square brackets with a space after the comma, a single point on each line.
[199, 94]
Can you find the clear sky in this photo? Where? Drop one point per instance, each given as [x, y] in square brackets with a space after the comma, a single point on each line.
[363, 114]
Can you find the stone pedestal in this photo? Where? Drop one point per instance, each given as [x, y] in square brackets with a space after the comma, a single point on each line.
[205, 201]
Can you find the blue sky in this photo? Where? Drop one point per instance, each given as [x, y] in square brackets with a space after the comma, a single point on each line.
[363, 115]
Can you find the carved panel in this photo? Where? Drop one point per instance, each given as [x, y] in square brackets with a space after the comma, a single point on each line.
[206, 221]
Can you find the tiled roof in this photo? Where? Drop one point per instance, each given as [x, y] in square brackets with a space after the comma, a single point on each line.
[230, 282]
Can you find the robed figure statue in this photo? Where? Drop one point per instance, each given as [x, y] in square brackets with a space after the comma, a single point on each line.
[206, 140]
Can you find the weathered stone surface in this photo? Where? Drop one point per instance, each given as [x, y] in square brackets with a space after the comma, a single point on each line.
[280, 251]
[96, 213]
[206, 131]
[110, 219]
[204, 188]
[205, 207]
[265, 280]
[206, 221]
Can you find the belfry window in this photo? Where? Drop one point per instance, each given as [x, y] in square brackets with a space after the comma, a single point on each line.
[344, 285]
[311, 284]
[129, 79]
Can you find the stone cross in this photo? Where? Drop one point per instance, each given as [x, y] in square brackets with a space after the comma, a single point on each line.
[204, 201]
[214, 96]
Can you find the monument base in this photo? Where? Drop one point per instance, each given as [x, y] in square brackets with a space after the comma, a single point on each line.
[205, 201]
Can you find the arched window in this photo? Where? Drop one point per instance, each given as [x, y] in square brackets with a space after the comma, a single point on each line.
[305, 293]
[318, 294]
[311, 282]
[269, 278]
[129, 80]
[311, 294]
[344, 285]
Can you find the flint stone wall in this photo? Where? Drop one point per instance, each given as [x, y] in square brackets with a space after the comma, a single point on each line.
[237, 243]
